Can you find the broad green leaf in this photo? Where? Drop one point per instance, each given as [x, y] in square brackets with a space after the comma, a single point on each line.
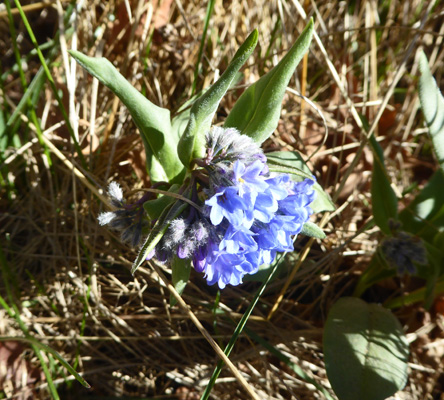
[384, 200]
[291, 162]
[158, 231]
[365, 351]
[283, 169]
[432, 105]
[312, 230]
[424, 216]
[192, 142]
[153, 121]
[181, 274]
[180, 121]
[256, 113]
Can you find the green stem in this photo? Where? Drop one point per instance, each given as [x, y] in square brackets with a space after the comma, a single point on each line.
[210, 8]
[239, 328]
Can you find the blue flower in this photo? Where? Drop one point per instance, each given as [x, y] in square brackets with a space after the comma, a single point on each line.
[241, 216]
[227, 203]
[254, 217]
[248, 177]
[225, 268]
[238, 240]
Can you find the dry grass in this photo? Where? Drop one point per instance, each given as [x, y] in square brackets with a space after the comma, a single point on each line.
[71, 277]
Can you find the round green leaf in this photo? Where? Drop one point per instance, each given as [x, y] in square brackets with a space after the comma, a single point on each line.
[365, 351]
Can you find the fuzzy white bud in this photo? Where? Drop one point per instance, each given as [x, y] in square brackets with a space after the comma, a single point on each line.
[115, 191]
[106, 217]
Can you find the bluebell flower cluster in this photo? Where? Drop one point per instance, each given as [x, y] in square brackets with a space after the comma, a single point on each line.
[245, 216]
[253, 214]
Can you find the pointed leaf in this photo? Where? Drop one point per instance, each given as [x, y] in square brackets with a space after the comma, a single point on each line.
[158, 231]
[425, 214]
[58, 356]
[192, 143]
[365, 350]
[384, 200]
[432, 105]
[312, 230]
[153, 121]
[257, 111]
[416, 296]
[291, 162]
[181, 274]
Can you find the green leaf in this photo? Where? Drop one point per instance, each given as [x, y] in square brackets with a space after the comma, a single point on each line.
[291, 162]
[256, 113]
[181, 274]
[312, 230]
[384, 200]
[415, 296]
[365, 350]
[153, 121]
[432, 105]
[424, 216]
[180, 121]
[158, 231]
[192, 142]
[51, 351]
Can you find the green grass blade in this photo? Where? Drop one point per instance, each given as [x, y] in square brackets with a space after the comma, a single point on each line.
[51, 82]
[18, 59]
[210, 8]
[14, 312]
[282, 357]
[239, 328]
